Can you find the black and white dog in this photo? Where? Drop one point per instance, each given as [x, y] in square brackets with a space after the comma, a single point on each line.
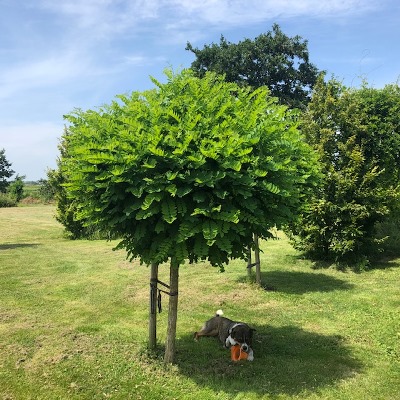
[229, 333]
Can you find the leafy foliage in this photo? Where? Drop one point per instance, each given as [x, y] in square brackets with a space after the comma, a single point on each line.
[356, 134]
[16, 188]
[272, 59]
[48, 187]
[188, 170]
[5, 171]
[68, 207]
[6, 200]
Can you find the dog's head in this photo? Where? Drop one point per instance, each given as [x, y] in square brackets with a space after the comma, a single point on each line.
[241, 334]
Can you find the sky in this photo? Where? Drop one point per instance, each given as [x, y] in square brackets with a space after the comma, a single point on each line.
[57, 55]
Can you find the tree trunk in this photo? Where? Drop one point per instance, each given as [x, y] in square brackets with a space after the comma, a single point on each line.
[169, 356]
[257, 259]
[153, 307]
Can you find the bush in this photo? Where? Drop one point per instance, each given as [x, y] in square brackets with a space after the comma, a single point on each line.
[389, 231]
[356, 134]
[7, 201]
[16, 188]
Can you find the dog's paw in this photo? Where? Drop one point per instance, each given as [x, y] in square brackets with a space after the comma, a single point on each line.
[250, 356]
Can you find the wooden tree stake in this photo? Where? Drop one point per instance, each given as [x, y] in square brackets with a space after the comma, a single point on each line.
[169, 356]
[153, 307]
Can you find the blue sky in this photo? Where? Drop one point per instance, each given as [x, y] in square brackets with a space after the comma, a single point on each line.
[56, 55]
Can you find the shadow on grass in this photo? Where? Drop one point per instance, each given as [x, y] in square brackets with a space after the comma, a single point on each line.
[301, 282]
[387, 263]
[288, 360]
[12, 246]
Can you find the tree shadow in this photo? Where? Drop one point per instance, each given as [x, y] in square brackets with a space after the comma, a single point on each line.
[293, 282]
[288, 360]
[12, 246]
[385, 263]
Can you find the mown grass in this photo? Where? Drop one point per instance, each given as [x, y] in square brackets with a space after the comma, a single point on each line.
[73, 324]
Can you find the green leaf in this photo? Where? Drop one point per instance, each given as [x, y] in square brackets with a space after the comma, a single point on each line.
[168, 209]
[228, 216]
[174, 115]
[200, 246]
[148, 200]
[200, 211]
[150, 163]
[156, 151]
[210, 230]
[171, 175]
[236, 165]
[144, 214]
[172, 189]
[272, 188]
[183, 190]
[181, 252]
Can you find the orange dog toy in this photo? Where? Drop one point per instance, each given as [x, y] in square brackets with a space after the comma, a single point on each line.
[237, 353]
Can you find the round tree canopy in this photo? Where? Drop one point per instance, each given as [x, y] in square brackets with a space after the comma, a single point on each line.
[188, 170]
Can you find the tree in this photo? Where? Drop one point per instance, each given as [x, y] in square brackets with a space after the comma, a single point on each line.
[382, 143]
[357, 136]
[272, 59]
[48, 187]
[187, 171]
[16, 188]
[5, 171]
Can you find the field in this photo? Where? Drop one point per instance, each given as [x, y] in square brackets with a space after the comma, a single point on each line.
[73, 324]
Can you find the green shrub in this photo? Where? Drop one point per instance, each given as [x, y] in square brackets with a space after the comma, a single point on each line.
[7, 201]
[356, 134]
[16, 188]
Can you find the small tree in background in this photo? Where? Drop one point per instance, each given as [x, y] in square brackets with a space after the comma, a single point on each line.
[188, 171]
[16, 188]
[357, 136]
[48, 187]
[272, 59]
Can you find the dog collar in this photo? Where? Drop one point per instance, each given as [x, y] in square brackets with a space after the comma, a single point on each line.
[234, 326]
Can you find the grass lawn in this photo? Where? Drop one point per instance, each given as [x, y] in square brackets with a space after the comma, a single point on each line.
[73, 324]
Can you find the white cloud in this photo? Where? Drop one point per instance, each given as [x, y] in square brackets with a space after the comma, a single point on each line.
[237, 12]
[53, 69]
[104, 19]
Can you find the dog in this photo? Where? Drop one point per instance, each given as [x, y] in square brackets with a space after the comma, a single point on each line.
[229, 333]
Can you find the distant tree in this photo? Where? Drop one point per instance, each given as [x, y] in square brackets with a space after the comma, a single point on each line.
[5, 171]
[16, 188]
[356, 133]
[188, 171]
[48, 187]
[272, 59]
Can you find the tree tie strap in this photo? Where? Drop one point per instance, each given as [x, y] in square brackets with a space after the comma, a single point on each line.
[253, 265]
[153, 285]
